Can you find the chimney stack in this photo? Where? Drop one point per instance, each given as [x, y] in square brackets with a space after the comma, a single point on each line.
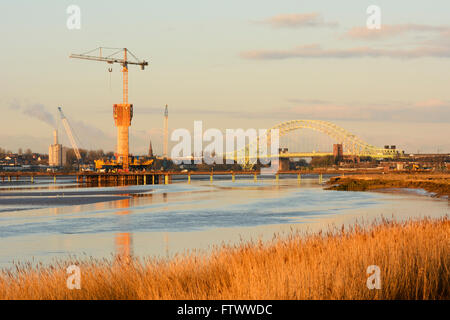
[55, 136]
[166, 131]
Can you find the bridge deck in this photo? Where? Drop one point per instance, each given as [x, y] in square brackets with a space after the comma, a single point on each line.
[159, 177]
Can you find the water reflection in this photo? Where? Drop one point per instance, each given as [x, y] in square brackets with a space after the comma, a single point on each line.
[124, 246]
[138, 221]
[123, 240]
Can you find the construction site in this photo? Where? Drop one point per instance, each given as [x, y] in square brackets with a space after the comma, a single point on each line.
[348, 151]
[121, 161]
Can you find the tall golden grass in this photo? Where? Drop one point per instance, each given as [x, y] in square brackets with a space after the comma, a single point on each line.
[413, 257]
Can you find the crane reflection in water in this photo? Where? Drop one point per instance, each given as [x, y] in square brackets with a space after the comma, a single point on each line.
[123, 247]
[123, 240]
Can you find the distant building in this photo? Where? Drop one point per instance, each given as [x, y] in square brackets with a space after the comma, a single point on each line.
[56, 153]
[150, 150]
[338, 151]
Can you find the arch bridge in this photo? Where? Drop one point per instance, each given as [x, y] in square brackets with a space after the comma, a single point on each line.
[352, 145]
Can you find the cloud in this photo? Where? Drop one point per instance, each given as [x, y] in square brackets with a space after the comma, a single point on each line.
[90, 137]
[308, 101]
[431, 110]
[316, 51]
[386, 31]
[297, 20]
[432, 103]
[199, 111]
[331, 111]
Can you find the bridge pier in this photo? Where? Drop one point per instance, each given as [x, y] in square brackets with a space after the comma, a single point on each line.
[284, 164]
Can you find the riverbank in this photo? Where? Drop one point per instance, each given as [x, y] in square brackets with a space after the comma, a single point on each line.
[412, 257]
[437, 184]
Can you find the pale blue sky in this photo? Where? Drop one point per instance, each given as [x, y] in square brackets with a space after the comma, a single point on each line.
[200, 66]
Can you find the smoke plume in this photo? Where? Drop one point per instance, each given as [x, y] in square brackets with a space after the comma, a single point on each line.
[37, 111]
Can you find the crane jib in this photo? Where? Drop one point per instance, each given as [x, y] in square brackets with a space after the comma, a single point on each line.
[70, 134]
[109, 60]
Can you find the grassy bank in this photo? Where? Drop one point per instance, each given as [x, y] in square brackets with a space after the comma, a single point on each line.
[413, 257]
[436, 183]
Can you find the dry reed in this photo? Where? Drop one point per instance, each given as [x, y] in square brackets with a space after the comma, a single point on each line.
[413, 257]
[437, 183]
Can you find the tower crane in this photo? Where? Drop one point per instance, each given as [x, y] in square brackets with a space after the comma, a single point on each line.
[123, 113]
[69, 134]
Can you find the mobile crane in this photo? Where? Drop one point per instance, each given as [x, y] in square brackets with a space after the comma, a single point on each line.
[70, 134]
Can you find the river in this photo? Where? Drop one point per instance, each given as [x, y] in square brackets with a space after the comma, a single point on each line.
[45, 221]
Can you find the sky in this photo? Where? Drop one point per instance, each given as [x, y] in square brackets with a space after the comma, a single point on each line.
[232, 64]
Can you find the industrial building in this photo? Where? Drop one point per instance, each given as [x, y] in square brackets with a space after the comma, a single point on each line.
[56, 152]
[338, 151]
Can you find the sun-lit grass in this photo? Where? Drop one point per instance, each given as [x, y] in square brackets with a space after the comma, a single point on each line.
[437, 183]
[413, 256]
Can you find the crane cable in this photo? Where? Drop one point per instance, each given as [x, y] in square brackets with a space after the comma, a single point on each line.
[110, 76]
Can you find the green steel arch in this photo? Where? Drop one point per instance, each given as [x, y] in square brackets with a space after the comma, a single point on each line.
[352, 145]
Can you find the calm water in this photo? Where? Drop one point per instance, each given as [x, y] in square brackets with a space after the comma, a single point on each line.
[44, 221]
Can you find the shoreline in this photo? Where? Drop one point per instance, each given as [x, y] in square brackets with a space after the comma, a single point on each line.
[437, 185]
[65, 198]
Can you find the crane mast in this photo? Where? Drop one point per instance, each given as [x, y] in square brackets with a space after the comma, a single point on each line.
[123, 113]
[69, 134]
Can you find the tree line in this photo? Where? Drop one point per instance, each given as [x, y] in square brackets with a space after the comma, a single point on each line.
[87, 156]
